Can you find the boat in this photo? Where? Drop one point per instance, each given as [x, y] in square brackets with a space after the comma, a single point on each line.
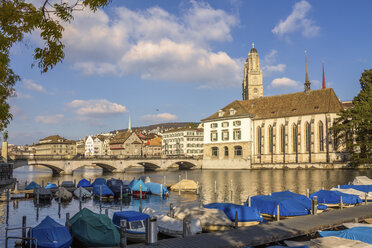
[83, 192]
[65, 194]
[332, 198]
[145, 179]
[52, 186]
[135, 224]
[69, 185]
[94, 230]
[137, 187]
[352, 191]
[99, 181]
[211, 219]
[173, 227]
[359, 233]
[185, 186]
[32, 185]
[157, 189]
[84, 183]
[106, 192]
[50, 234]
[44, 194]
[328, 242]
[246, 216]
[364, 188]
[117, 186]
[361, 180]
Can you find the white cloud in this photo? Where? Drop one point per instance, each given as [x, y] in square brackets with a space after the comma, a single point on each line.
[268, 63]
[21, 95]
[297, 21]
[159, 117]
[154, 44]
[49, 119]
[96, 108]
[30, 85]
[275, 68]
[284, 82]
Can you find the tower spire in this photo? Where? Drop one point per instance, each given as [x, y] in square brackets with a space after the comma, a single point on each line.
[307, 82]
[129, 124]
[324, 84]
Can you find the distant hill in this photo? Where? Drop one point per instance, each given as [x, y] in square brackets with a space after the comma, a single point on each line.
[161, 126]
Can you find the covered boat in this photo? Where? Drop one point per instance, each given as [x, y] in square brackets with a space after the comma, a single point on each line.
[50, 234]
[51, 186]
[333, 198]
[44, 194]
[137, 187]
[106, 191]
[364, 188]
[83, 192]
[361, 180]
[363, 234]
[94, 230]
[247, 216]
[69, 185]
[135, 224]
[306, 201]
[362, 195]
[84, 183]
[99, 181]
[117, 186]
[155, 188]
[145, 179]
[211, 219]
[185, 186]
[32, 185]
[65, 194]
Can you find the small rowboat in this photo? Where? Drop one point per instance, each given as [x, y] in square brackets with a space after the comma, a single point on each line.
[135, 224]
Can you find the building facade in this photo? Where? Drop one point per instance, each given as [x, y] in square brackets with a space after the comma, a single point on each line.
[126, 144]
[183, 141]
[252, 86]
[152, 147]
[55, 146]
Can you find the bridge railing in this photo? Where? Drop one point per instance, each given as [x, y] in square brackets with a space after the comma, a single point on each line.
[103, 157]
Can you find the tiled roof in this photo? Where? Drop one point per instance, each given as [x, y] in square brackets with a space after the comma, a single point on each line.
[55, 139]
[347, 105]
[294, 104]
[120, 137]
[183, 129]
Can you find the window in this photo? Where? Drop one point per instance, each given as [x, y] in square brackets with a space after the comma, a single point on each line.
[308, 135]
[237, 134]
[214, 151]
[225, 135]
[220, 113]
[259, 139]
[225, 124]
[214, 136]
[282, 139]
[232, 111]
[271, 140]
[214, 125]
[321, 137]
[238, 151]
[295, 138]
[237, 123]
[335, 138]
[226, 151]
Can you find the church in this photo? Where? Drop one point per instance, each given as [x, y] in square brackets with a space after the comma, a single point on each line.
[288, 130]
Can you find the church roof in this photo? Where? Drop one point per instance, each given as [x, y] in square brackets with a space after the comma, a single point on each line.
[253, 50]
[120, 137]
[294, 104]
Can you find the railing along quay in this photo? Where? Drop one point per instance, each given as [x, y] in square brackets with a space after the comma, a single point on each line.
[269, 232]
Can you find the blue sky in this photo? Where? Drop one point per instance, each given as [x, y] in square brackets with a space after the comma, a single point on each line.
[166, 61]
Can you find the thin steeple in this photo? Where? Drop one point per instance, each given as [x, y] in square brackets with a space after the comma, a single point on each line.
[129, 124]
[324, 84]
[307, 82]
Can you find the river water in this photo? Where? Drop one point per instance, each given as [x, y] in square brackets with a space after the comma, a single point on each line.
[231, 186]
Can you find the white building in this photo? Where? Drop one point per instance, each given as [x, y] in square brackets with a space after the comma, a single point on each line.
[183, 141]
[89, 146]
[97, 145]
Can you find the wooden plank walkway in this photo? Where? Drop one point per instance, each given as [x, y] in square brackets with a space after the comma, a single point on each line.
[270, 232]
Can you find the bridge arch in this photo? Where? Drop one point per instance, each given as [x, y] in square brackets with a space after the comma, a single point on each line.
[149, 166]
[55, 170]
[104, 166]
[183, 165]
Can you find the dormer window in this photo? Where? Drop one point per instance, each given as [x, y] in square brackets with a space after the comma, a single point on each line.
[220, 113]
[232, 111]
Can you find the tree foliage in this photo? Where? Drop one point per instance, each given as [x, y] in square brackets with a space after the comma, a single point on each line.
[20, 17]
[354, 126]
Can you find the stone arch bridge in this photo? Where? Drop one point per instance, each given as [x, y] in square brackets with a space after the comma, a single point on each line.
[67, 166]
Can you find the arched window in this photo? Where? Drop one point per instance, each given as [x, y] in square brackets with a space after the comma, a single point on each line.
[214, 151]
[271, 140]
[335, 138]
[238, 151]
[294, 138]
[255, 92]
[321, 137]
[307, 136]
[259, 139]
[226, 151]
[282, 139]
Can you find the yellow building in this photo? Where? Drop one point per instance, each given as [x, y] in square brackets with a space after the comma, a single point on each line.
[55, 145]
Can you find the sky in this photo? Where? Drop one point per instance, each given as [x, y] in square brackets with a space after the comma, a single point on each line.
[173, 61]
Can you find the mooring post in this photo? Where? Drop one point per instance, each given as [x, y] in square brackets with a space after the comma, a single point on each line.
[341, 203]
[365, 198]
[307, 192]
[277, 213]
[68, 224]
[186, 175]
[322, 187]
[58, 183]
[80, 199]
[121, 198]
[338, 186]
[215, 187]
[165, 179]
[186, 230]
[197, 187]
[161, 191]
[106, 211]
[90, 181]
[7, 205]
[37, 198]
[236, 220]
[231, 191]
[74, 182]
[100, 199]
[123, 233]
[42, 183]
[314, 204]
[249, 201]
[140, 208]
[179, 184]
[171, 210]
[23, 231]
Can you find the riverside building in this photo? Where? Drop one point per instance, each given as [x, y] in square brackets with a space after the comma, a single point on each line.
[183, 141]
[275, 130]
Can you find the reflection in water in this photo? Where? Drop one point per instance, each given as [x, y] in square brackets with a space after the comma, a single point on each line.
[244, 183]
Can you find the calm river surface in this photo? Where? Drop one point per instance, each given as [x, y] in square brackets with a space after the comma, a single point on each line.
[244, 183]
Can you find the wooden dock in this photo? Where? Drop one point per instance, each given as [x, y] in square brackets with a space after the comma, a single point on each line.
[269, 232]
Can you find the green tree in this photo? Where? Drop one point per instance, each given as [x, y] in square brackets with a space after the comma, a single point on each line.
[354, 126]
[191, 125]
[19, 17]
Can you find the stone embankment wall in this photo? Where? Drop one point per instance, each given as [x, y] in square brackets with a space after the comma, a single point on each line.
[6, 174]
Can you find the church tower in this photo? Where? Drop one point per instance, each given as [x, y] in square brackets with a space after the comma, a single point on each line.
[252, 82]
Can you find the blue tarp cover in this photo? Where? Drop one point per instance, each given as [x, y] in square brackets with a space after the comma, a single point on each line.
[154, 188]
[33, 185]
[99, 181]
[267, 204]
[245, 213]
[333, 197]
[136, 186]
[364, 188]
[51, 186]
[68, 184]
[363, 234]
[106, 191]
[129, 216]
[50, 234]
[301, 198]
[84, 183]
[132, 183]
